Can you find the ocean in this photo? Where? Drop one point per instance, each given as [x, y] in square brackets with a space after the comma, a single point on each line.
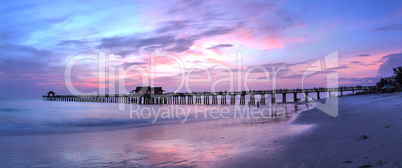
[36, 133]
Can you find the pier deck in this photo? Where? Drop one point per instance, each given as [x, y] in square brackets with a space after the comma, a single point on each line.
[206, 97]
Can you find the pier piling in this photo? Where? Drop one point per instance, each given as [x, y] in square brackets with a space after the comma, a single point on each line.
[201, 97]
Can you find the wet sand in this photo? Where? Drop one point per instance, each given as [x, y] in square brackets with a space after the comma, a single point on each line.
[366, 133]
[201, 143]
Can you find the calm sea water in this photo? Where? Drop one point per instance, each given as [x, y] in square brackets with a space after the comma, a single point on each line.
[36, 133]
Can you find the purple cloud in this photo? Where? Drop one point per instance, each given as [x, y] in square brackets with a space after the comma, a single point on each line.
[126, 45]
[221, 46]
[172, 26]
[363, 55]
[390, 27]
[391, 61]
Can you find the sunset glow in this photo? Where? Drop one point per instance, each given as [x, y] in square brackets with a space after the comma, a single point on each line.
[39, 38]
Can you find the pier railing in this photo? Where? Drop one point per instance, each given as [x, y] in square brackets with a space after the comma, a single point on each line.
[207, 97]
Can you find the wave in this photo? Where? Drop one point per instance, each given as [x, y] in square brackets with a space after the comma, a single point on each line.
[96, 122]
[68, 126]
[10, 110]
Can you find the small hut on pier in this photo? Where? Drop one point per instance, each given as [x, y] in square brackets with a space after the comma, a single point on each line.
[147, 90]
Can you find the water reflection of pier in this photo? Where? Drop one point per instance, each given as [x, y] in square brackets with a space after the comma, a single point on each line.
[150, 95]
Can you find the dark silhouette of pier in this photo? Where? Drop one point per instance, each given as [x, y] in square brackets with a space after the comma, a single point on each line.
[155, 95]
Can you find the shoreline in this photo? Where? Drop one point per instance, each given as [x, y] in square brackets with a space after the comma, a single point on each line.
[307, 138]
[366, 133]
[207, 143]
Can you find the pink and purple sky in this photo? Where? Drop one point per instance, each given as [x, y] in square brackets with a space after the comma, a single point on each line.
[38, 38]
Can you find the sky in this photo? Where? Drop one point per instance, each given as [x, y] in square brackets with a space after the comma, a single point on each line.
[93, 47]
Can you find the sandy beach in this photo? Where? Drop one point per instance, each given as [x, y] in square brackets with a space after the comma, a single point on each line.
[76, 134]
[198, 83]
[366, 133]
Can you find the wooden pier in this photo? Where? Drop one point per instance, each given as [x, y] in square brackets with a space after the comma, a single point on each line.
[207, 98]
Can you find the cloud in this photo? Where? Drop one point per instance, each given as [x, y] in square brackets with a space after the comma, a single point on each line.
[69, 42]
[362, 63]
[21, 59]
[128, 64]
[355, 62]
[297, 69]
[19, 77]
[288, 72]
[126, 45]
[174, 25]
[338, 67]
[360, 81]
[390, 27]
[58, 19]
[72, 43]
[196, 20]
[216, 31]
[258, 25]
[385, 70]
[11, 51]
[182, 44]
[221, 46]
[391, 61]
[363, 55]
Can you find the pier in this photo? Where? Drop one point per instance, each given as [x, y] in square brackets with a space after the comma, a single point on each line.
[155, 95]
